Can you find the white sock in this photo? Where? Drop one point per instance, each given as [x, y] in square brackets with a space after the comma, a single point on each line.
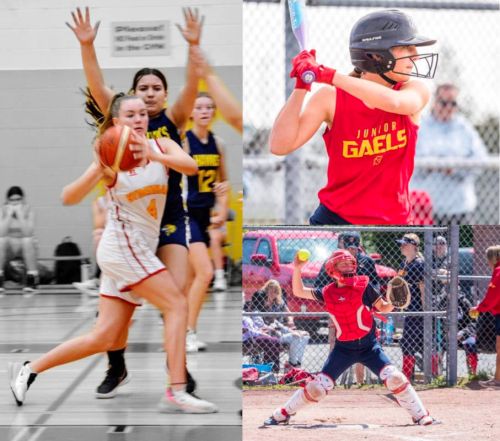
[219, 273]
[296, 402]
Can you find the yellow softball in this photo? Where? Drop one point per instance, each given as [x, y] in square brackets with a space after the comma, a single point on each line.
[303, 255]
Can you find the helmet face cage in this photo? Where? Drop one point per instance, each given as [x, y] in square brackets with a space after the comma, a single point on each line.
[382, 61]
[332, 270]
[424, 65]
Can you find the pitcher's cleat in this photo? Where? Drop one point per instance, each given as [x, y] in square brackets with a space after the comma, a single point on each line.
[182, 402]
[21, 377]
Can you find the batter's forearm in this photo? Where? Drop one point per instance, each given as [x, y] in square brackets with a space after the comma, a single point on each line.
[285, 130]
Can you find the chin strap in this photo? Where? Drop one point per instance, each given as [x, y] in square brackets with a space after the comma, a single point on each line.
[386, 78]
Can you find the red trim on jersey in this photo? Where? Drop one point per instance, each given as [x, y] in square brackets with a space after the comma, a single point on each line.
[163, 151]
[131, 287]
[159, 146]
[109, 296]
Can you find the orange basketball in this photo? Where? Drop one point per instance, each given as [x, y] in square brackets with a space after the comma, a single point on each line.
[114, 151]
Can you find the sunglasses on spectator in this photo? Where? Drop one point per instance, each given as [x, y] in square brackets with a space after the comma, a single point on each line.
[445, 103]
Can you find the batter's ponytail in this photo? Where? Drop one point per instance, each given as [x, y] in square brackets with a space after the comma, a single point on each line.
[356, 73]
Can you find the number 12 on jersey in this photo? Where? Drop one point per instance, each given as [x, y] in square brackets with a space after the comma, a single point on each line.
[206, 180]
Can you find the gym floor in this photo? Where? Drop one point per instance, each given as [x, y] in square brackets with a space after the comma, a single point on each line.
[61, 405]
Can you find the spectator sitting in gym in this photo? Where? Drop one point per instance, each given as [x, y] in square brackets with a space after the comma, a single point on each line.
[17, 224]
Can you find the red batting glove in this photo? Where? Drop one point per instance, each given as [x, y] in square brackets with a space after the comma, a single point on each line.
[306, 61]
[296, 62]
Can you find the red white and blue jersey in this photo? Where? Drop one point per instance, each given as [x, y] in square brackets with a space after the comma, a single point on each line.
[370, 162]
[349, 307]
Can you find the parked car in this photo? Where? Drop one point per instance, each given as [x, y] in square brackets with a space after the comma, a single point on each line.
[269, 254]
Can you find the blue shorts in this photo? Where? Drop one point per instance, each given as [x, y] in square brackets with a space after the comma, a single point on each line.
[497, 324]
[199, 221]
[366, 351]
[174, 234]
[323, 216]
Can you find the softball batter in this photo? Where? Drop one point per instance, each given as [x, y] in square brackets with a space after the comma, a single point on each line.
[372, 118]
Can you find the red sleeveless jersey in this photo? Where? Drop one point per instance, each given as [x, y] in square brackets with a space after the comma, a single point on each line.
[371, 158]
[351, 317]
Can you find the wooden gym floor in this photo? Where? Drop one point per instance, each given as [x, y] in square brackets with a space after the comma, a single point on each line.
[61, 405]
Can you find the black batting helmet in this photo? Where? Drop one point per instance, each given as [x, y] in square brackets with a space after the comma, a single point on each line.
[375, 34]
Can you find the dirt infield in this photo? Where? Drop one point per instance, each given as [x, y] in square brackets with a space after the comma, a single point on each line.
[465, 414]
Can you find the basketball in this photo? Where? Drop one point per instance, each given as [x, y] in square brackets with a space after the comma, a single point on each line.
[114, 151]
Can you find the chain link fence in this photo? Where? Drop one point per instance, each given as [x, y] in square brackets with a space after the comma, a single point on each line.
[435, 336]
[442, 182]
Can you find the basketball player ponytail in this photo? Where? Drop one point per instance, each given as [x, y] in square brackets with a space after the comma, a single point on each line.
[92, 108]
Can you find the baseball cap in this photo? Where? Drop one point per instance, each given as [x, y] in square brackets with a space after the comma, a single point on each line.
[409, 238]
[351, 239]
[440, 240]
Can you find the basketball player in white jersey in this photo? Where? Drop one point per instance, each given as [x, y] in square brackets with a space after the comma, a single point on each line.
[126, 255]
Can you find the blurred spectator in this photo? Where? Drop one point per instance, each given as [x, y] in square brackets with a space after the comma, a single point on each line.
[491, 303]
[17, 225]
[440, 266]
[466, 335]
[270, 299]
[444, 133]
[351, 241]
[412, 270]
[257, 336]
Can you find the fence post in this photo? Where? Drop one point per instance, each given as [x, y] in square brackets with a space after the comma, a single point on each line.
[452, 312]
[293, 199]
[427, 306]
